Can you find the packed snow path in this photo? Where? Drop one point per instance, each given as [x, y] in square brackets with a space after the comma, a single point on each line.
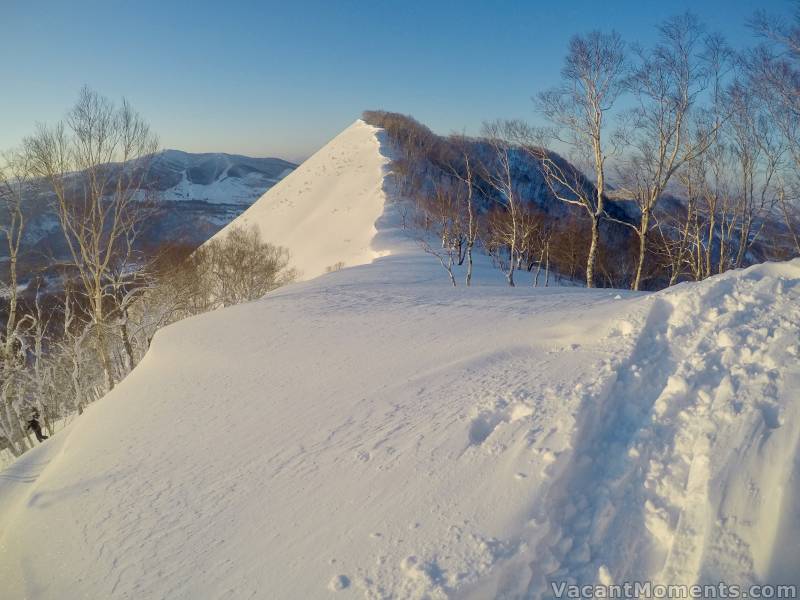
[684, 466]
[376, 433]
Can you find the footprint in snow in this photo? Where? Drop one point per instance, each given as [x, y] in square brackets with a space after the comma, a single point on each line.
[339, 582]
[482, 426]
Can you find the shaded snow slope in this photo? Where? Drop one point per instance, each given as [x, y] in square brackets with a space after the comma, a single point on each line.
[325, 211]
[377, 433]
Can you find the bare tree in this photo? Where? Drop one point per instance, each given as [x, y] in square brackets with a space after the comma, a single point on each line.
[240, 267]
[438, 214]
[791, 217]
[773, 73]
[462, 169]
[544, 257]
[72, 349]
[665, 84]
[533, 249]
[15, 179]
[773, 70]
[578, 109]
[567, 246]
[39, 372]
[675, 237]
[498, 172]
[759, 153]
[96, 163]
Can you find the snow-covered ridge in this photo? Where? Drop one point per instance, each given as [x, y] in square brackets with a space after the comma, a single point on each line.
[376, 433]
[325, 211]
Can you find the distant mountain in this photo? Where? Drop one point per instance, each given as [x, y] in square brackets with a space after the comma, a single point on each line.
[215, 178]
[197, 195]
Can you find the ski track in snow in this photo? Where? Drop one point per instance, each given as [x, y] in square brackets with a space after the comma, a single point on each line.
[684, 448]
[375, 433]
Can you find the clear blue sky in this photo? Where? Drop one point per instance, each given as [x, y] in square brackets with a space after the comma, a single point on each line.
[281, 78]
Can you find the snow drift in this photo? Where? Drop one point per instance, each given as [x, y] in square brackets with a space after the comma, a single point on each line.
[376, 433]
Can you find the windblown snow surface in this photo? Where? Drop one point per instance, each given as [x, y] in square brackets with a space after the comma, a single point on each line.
[376, 433]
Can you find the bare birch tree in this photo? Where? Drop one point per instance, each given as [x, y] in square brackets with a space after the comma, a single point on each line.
[462, 169]
[665, 84]
[498, 173]
[759, 154]
[96, 162]
[439, 214]
[15, 178]
[773, 73]
[578, 110]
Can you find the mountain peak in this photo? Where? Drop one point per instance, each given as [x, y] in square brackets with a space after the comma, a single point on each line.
[325, 211]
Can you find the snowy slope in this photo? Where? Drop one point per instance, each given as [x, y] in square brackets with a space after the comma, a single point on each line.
[376, 433]
[325, 211]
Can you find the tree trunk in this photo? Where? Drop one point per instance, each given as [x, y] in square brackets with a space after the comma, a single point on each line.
[539, 266]
[712, 227]
[126, 343]
[788, 220]
[77, 389]
[590, 262]
[547, 265]
[11, 320]
[469, 264]
[744, 236]
[12, 426]
[450, 270]
[510, 274]
[645, 223]
[102, 348]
